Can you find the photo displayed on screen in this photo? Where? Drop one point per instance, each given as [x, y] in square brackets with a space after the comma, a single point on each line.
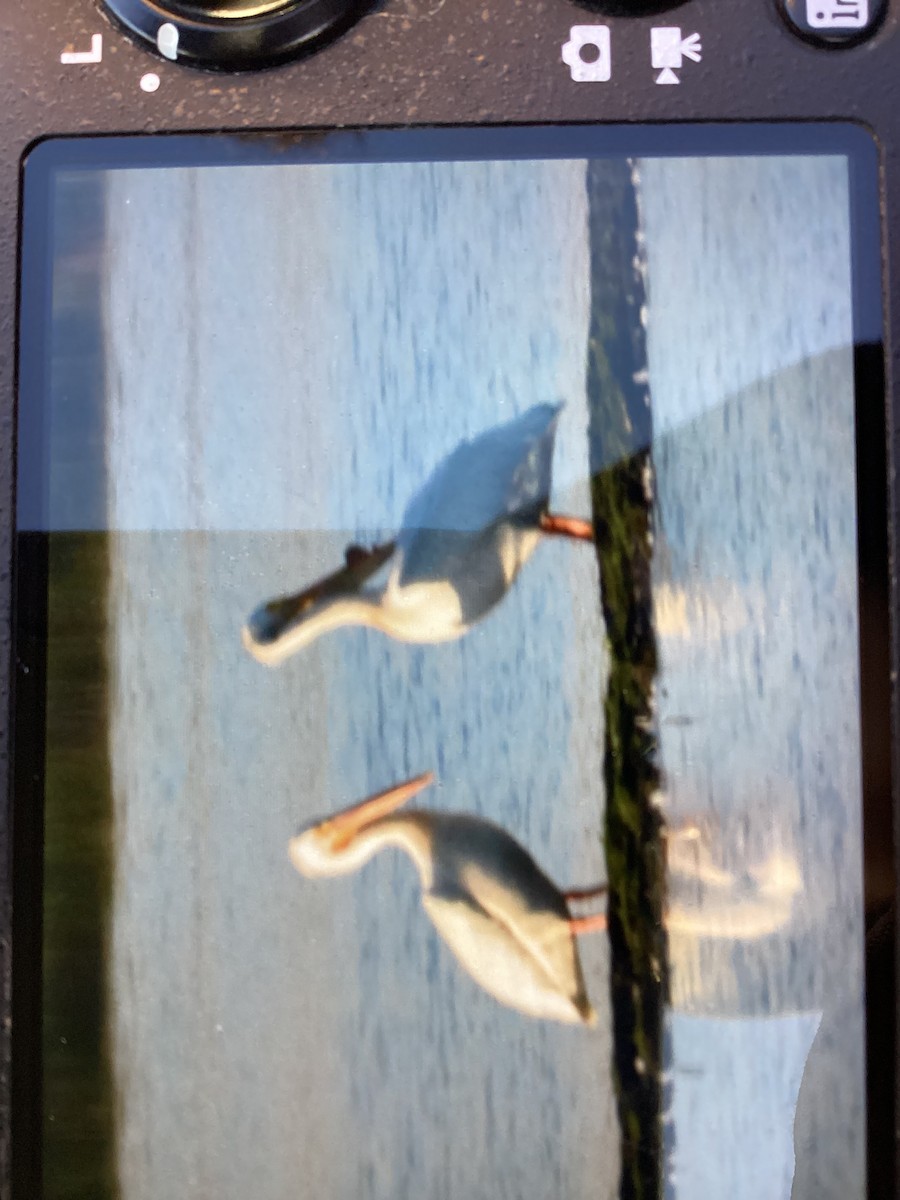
[316, 446]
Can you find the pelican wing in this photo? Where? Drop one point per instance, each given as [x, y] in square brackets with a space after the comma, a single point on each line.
[502, 961]
[468, 569]
[487, 862]
[504, 919]
[504, 472]
[536, 920]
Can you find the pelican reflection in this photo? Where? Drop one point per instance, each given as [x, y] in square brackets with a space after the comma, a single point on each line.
[707, 900]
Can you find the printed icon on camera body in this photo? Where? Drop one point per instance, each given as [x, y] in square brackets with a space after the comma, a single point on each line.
[837, 14]
[71, 57]
[587, 53]
[668, 50]
[833, 22]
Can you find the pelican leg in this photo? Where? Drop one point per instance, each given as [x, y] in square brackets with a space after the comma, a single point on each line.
[572, 527]
[589, 924]
[585, 893]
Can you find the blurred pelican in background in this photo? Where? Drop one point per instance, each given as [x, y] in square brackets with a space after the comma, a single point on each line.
[706, 900]
[463, 540]
[507, 924]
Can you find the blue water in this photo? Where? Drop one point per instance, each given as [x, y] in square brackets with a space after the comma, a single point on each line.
[277, 1035]
[273, 397]
[755, 588]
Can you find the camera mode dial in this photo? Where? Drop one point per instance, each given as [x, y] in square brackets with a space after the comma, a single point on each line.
[235, 35]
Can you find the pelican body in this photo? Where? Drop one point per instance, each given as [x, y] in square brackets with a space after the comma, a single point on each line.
[507, 923]
[463, 540]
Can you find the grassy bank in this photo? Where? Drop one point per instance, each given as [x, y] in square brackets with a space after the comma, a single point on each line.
[78, 1151]
[622, 481]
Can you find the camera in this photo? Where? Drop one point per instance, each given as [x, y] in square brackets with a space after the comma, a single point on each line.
[448, 447]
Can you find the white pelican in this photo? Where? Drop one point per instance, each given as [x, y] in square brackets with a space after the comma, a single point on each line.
[463, 540]
[507, 924]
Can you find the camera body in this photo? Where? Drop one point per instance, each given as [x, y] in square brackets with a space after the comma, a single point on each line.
[70, 70]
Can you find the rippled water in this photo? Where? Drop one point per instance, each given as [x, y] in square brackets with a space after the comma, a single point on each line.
[755, 586]
[273, 397]
[275, 1035]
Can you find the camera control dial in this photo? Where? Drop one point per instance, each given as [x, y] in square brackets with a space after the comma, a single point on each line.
[235, 35]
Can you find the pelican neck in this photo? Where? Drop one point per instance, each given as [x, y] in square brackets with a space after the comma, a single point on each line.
[406, 831]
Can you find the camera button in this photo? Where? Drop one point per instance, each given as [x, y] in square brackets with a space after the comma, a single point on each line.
[833, 23]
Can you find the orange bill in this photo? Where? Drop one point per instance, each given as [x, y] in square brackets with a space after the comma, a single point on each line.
[345, 825]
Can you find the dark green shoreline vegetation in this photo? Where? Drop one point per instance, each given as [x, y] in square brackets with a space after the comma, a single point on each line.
[78, 1153]
[78, 1158]
[621, 487]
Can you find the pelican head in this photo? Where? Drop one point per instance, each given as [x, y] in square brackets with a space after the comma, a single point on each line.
[281, 627]
[335, 846]
[267, 622]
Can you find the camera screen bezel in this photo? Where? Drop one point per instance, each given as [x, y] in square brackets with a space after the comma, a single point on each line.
[458, 143]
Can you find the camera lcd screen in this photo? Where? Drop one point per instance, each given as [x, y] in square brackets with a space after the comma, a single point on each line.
[310, 435]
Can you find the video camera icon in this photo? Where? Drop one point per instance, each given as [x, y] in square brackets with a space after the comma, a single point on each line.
[668, 50]
[587, 53]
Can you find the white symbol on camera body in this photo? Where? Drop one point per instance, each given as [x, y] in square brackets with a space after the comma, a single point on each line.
[167, 41]
[74, 58]
[668, 50]
[587, 53]
[837, 14]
